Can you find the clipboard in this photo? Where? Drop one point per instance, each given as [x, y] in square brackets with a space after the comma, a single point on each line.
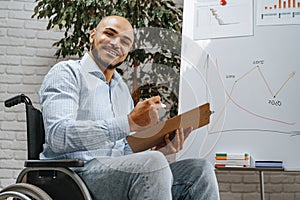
[154, 135]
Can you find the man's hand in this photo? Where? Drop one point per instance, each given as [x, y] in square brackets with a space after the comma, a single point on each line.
[174, 141]
[144, 114]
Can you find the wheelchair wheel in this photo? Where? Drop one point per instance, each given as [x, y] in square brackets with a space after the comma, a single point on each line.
[23, 191]
[13, 195]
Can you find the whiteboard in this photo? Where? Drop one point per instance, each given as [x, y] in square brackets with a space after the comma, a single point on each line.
[243, 57]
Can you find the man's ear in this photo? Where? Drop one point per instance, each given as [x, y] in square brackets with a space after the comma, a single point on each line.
[92, 35]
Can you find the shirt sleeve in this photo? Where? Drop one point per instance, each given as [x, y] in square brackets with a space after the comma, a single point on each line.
[59, 98]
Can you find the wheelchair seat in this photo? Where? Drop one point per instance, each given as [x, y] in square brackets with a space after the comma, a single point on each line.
[43, 179]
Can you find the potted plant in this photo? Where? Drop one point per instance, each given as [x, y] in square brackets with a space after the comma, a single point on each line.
[155, 60]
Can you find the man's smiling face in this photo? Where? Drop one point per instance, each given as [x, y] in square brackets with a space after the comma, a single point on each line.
[111, 41]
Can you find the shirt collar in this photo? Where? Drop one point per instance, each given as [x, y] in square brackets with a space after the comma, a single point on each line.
[91, 67]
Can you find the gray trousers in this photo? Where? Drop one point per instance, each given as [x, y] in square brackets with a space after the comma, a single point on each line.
[148, 175]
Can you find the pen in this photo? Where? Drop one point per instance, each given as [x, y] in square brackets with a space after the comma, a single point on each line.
[160, 105]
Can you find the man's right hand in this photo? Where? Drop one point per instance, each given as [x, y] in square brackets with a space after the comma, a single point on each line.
[144, 114]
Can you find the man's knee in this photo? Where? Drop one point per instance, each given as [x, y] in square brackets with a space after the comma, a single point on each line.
[201, 167]
[197, 175]
[155, 161]
[205, 165]
[194, 168]
[156, 174]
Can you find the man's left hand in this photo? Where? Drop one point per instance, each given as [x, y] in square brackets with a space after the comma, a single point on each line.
[174, 144]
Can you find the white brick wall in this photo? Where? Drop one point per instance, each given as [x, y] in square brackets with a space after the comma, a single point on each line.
[26, 55]
[246, 186]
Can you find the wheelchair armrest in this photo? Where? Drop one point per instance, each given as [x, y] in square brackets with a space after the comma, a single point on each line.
[54, 163]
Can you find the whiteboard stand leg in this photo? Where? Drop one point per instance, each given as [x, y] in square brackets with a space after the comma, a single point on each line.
[262, 190]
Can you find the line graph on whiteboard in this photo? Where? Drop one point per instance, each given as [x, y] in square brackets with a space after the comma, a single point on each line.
[242, 59]
[249, 98]
[270, 92]
[265, 82]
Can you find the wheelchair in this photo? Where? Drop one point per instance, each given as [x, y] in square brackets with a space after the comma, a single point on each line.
[43, 179]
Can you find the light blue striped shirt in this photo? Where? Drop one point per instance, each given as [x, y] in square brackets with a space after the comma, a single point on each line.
[84, 116]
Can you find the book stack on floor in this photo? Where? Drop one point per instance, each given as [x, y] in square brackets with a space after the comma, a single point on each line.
[232, 160]
[268, 164]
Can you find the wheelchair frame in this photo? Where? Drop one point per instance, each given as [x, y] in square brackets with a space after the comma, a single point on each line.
[43, 179]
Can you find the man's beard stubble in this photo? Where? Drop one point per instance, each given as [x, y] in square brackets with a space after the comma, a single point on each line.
[99, 60]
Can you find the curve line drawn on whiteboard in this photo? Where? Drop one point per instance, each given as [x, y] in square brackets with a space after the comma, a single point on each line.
[229, 96]
[290, 133]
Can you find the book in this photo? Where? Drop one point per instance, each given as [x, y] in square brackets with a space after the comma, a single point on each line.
[155, 135]
[224, 165]
[232, 156]
[233, 162]
[269, 164]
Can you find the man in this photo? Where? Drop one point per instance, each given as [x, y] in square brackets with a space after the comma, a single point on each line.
[88, 112]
